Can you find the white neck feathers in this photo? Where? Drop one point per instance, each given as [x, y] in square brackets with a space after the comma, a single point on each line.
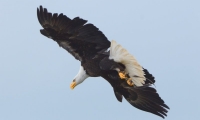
[81, 76]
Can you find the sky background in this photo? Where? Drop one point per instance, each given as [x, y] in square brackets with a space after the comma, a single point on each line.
[35, 73]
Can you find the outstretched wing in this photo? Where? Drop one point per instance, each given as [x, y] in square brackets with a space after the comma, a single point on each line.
[144, 98]
[78, 38]
[147, 99]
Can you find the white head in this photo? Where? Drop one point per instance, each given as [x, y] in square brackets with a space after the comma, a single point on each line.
[79, 78]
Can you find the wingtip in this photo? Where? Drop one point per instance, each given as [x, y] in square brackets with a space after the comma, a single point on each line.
[39, 13]
[39, 8]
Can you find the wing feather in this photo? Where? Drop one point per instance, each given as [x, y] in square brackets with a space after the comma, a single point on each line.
[76, 36]
[146, 99]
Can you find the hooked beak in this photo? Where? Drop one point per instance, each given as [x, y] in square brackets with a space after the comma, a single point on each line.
[73, 84]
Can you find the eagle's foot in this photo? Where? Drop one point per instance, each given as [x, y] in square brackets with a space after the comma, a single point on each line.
[122, 74]
[130, 82]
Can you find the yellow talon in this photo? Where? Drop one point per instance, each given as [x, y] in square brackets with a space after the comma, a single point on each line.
[122, 74]
[130, 82]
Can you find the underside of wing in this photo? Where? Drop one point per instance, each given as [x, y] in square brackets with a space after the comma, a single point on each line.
[146, 99]
[74, 35]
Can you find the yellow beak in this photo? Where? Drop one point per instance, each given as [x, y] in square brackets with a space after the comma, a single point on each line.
[73, 85]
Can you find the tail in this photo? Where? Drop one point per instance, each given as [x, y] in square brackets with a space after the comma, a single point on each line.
[133, 68]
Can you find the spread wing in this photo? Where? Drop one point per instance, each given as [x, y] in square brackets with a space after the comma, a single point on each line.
[144, 98]
[76, 36]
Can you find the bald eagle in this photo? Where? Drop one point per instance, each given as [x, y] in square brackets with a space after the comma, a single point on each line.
[101, 58]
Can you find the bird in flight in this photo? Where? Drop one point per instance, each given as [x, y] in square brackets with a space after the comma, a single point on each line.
[101, 58]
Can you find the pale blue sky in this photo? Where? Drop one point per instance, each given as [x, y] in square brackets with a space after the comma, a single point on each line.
[35, 74]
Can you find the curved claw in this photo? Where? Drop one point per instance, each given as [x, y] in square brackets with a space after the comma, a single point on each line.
[122, 75]
[130, 82]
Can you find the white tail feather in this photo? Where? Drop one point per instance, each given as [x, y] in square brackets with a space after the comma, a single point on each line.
[121, 55]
